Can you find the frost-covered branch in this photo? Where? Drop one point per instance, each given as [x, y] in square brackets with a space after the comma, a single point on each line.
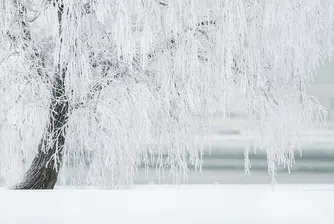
[24, 41]
[142, 78]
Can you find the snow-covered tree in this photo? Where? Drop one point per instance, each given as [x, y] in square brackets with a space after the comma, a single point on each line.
[108, 85]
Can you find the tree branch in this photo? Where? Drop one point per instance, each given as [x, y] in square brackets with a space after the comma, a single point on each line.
[35, 57]
[123, 69]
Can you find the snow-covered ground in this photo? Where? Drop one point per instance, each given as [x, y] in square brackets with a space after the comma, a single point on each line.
[305, 204]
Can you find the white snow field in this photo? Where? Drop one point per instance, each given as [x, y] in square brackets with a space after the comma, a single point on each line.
[165, 204]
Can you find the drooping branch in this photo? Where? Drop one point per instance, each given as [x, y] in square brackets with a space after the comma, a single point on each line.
[163, 65]
[26, 43]
[266, 90]
[134, 70]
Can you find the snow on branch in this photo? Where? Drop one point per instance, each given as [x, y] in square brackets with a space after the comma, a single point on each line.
[142, 78]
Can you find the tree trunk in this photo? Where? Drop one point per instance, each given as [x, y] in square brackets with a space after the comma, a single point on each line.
[44, 169]
[43, 172]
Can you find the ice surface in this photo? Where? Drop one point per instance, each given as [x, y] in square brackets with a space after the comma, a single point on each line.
[306, 204]
[309, 140]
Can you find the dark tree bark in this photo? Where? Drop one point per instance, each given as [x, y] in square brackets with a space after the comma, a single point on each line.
[43, 172]
[44, 169]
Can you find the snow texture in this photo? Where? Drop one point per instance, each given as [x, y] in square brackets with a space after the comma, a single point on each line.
[232, 204]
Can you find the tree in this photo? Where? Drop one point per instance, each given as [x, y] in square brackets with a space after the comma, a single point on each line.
[116, 84]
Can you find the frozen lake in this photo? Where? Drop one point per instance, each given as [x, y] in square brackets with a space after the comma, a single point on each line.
[226, 166]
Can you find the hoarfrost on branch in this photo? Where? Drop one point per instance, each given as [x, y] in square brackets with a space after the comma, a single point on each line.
[142, 77]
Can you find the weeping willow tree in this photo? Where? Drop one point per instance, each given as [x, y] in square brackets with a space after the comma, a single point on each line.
[109, 85]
